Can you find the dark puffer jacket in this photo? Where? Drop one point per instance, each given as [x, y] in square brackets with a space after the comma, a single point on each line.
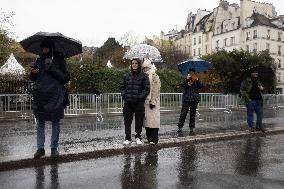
[49, 90]
[135, 87]
[191, 93]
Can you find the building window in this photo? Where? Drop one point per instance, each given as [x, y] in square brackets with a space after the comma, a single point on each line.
[248, 35]
[268, 34]
[199, 51]
[248, 48]
[255, 47]
[217, 30]
[268, 47]
[233, 25]
[278, 77]
[254, 34]
[225, 42]
[199, 40]
[206, 49]
[279, 50]
[194, 53]
[217, 44]
[279, 36]
[279, 63]
[194, 41]
[226, 27]
[232, 40]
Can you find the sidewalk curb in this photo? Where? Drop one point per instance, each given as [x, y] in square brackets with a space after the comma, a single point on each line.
[164, 143]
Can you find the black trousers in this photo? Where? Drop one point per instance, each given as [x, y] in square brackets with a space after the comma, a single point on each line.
[152, 134]
[184, 110]
[129, 110]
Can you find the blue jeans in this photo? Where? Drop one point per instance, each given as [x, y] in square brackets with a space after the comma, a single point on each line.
[257, 107]
[41, 133]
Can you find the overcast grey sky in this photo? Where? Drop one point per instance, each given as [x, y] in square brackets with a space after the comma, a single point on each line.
[93, 21]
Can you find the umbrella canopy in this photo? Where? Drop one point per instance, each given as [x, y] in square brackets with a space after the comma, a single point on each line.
[67, 46]
[198, 65]
[143, 51]
[266, 76]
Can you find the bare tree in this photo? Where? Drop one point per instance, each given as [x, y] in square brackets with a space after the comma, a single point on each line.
[128, 39]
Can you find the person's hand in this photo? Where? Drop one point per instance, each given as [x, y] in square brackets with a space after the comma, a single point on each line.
[261, 88]
[152, 106]
[188, 76]
[35, 71]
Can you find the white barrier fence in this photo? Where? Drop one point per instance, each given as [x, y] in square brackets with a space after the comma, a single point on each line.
[20, 105]
[14, 105]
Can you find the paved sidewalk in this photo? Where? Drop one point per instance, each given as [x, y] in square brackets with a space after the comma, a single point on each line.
[83, 138]
[134, 148]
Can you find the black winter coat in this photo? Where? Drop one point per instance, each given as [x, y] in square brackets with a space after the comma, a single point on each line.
[135, 87]
[191, 93]
[49, 89]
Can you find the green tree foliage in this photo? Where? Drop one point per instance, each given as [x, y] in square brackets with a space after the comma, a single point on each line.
[110, 50]
[230, 68]
[5, 40]
[91, 78]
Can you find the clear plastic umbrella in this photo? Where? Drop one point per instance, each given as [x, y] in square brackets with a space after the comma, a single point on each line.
[143, 51]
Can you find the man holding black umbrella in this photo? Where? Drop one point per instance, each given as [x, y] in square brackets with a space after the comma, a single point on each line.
[49, 75]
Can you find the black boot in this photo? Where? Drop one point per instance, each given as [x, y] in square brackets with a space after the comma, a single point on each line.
[179, 132]
[191, 132]
[261, 129]
[54, 153]
[39, 153]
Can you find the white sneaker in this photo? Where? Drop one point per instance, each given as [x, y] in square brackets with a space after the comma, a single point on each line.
[138, 141]
[126, 142]
[152, 143]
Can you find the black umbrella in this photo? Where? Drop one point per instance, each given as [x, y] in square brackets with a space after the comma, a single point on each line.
[266, 76]
[67, 46]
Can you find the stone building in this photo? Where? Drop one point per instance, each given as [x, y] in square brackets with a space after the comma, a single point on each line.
[252, 26]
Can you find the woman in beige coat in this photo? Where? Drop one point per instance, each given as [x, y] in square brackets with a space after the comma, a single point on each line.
[152, 104]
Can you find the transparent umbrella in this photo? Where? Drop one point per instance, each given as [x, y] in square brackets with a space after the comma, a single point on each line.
[143, 51]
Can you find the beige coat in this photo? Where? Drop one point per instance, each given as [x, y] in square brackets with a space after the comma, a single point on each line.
[152, 116]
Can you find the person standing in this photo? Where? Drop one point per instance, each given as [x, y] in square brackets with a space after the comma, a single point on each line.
[135, 88]
[251, 95]
[190, 99]
[49, 74]
[152, 104]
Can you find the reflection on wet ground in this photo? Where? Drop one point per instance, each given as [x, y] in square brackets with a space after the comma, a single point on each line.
[17, 138]
[256, 162]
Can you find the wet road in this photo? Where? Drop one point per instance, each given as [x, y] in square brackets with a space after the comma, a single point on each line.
[256, 162]
[17, 138]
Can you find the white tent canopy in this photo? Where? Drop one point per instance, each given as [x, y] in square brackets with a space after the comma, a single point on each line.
[12, 67]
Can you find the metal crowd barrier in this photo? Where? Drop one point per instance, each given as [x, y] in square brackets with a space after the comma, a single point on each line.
[20, 105]
[112, 103]
[14, 105]
[280, 101]
[84, 104]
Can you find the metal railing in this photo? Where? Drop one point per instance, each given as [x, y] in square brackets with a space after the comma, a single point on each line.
[16, 105]
[20, 105]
